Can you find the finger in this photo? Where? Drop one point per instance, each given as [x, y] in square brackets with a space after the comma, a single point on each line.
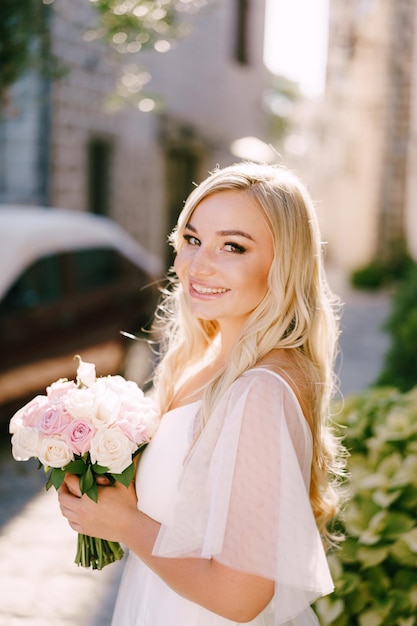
[63, 488]
[102, 480]
[67, 502]
[73, 485]
[75, 526]
[66, 512]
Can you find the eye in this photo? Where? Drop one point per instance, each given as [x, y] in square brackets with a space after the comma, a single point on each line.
[191, 240]
[234, 247]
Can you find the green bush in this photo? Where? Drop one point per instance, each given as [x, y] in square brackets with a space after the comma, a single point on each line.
[372, 276]
[379, 273]
[375, 570]
[400, 363]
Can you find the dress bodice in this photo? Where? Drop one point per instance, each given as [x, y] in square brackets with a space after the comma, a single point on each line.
[161, 462]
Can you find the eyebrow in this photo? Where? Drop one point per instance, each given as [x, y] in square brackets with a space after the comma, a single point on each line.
[225, 233]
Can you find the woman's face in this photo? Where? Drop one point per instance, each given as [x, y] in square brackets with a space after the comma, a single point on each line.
[225, 259]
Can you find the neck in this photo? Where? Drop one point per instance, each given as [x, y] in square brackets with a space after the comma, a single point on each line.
[229, 334]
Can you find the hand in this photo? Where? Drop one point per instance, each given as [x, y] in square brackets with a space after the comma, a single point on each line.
[105, 518]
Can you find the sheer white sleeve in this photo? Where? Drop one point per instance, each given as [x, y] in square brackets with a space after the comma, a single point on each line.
[244, 494]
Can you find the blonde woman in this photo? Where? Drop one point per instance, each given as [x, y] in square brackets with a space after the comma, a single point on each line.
[228, 520]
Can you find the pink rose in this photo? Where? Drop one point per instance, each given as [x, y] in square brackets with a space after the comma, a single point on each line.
[54, 420]
[139, 424]
[127, 427]
[30, 414]
[79, 434]
[59, 388]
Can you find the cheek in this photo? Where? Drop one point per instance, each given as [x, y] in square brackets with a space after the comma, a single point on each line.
[260, 281]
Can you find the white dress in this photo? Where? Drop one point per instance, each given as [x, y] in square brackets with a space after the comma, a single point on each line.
[240, 496]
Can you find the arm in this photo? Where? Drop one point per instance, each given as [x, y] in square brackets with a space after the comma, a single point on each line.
[233, 594]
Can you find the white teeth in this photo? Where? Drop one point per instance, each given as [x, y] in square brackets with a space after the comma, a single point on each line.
[200, 289]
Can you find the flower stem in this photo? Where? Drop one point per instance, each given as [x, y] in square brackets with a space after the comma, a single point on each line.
[97, 553]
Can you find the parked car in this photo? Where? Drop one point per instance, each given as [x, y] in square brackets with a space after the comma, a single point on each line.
[70, 282]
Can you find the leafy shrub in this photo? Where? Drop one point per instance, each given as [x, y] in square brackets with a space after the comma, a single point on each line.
[379, 273]
[371, 276]
[400, 363]
[375, 570]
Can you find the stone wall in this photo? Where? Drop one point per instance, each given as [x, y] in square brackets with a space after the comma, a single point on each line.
[204, 98]
[362, 167]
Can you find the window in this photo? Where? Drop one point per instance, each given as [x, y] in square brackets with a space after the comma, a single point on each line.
[241, 51]
[99, 179]
[95, 268]
[41, 284]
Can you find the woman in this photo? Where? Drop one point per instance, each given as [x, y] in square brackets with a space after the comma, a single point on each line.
[233, 495]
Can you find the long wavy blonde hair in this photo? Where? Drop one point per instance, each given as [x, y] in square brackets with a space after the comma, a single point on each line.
[298, 313]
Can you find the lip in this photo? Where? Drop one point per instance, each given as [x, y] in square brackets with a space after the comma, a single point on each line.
[201, 290]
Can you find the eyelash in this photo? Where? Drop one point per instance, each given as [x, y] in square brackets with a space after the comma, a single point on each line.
[235, 247]
[191, 238]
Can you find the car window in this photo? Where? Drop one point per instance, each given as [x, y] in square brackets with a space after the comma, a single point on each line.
[39, 285]
[95, 268]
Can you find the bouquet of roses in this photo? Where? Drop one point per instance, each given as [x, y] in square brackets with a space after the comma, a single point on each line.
[89, 427]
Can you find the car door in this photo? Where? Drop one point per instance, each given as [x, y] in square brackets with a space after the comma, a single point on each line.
[109, 293]
[35, 312]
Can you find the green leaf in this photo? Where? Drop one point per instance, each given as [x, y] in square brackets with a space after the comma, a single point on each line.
[126, 477]
[92, 492]
[403, 552]
[49, 483]
[77, 467]
[87, 480]
[410, 539]
[329, 610]
[99, 469]
[397, 523]
[56, 478]
[373, 617]
[140, 449]
[370, 557]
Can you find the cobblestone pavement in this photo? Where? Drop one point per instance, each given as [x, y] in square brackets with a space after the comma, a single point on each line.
[363, 341]
[39, 583]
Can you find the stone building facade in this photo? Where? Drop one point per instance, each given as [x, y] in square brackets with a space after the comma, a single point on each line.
[364, 164]
[65, 144]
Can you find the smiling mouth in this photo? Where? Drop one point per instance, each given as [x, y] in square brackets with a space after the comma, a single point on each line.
[207, 290]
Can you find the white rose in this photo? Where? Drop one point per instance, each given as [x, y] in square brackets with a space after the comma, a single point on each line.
[111, 448]
[25, 443]
[86, 373]
[107, 404]
[127, 390]
[80, 403]
[16, 422]
[55, 452]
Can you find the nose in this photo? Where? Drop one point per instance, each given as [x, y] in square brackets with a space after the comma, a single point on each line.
[202, 261]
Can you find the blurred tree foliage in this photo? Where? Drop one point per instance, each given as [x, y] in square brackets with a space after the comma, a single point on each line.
[281, 97]
[126, 25]
[22, 24]
[133, 25]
